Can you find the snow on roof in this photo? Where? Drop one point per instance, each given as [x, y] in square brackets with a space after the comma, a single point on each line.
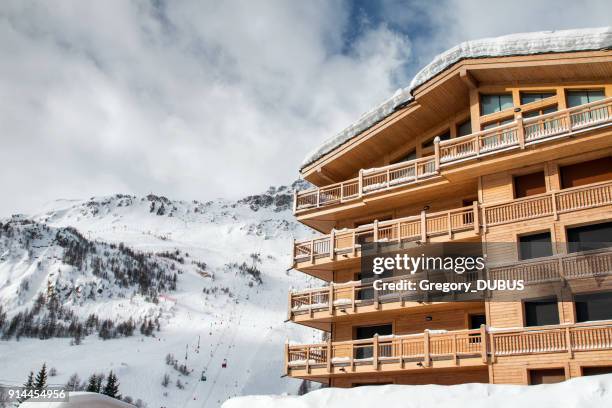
[540, 42]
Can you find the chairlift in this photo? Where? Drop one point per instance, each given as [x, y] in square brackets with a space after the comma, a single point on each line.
[203, 376]
[224, 364]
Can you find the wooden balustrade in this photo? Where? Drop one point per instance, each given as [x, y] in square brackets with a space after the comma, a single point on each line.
[384, 349]
[515, 135]
[420, 227]
[403, 229]
[431, 347]
[557, 268]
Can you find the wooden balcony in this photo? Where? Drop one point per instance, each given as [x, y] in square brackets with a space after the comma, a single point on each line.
[441, 349]
[316, 306]
[388, 353]
[558, 268]
[516, 135]
[465, 222]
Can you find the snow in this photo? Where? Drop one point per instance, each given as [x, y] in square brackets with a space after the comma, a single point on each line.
[247, 328]
[583, 392]
[81, 399]
[515, 44]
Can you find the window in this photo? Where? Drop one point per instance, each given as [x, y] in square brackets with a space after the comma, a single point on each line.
[594, 306]
[596, 370]
[592, 171]
[495, 103]
[589, 237]
[528, 97]
[541, 312]
[410, 156]
[529, 184]
[464, 128]
[430, 142]
[539, 112]
[546, 376]
[368, 332]
[477, 320]
[491, 125]
[577, 98]
[535, 246]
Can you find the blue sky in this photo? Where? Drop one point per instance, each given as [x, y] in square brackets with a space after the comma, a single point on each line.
[200, 99]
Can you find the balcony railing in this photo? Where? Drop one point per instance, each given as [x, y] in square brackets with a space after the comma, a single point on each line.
[354, 295]
[427, 225]
[557, 268]
[515, 135]
[430, 348]
[379, 350]
[403, 229]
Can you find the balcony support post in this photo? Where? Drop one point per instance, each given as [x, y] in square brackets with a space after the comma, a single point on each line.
[354, 243]
[330, 299]
[286, 372]
[360, 186]
[492, 347]
[426, 357]
[318, 197]
[307, 360]
[437, 154]
[290, 309]
[483, 342]
[449, 221]
[423, 226]
[476, 217]
[375, 228]
[312, 251]
[520, 131]
[375, 352]
[553, 198]
[329, 354]
[332, 244]
[310, 304]
[454, 349]
[568, 342]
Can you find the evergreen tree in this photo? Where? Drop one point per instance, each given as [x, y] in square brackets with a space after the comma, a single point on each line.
[94, 383]
[29, 384]
[40, 383]
[112, 386]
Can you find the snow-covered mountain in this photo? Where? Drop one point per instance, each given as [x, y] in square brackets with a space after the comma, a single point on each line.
[149, 287]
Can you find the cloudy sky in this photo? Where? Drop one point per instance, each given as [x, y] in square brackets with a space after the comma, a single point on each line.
[201, 99]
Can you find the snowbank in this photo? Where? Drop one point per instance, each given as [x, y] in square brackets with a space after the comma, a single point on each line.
[515, 44]
[583, 392]
[81, 400]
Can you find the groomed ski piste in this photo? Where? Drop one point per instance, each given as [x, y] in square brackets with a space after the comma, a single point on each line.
[583, 392]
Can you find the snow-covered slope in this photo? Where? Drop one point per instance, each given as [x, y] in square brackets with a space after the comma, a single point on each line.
[584, 392]
[515, 44]
[116, 258]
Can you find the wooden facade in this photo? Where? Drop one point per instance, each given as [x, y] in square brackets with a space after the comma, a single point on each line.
[539, 166]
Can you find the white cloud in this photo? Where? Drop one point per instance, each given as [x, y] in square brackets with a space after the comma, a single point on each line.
[189, 99]
[200, 99]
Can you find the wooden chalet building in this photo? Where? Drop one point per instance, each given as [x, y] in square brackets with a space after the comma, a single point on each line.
[497, 140]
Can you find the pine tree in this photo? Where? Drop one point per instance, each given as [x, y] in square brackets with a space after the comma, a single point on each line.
[29, 384]
[93, 383]
[40, 383]
[112, 386]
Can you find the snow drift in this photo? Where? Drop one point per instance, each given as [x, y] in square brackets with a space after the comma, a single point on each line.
[81, 399]
[541, 42]
[583, 392]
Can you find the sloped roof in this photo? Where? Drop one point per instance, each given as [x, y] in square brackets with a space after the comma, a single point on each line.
[541, 42]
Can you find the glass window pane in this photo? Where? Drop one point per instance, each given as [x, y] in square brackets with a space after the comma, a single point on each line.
[505, 101]
[535, 246]
[595, 96]
[577, 98]
[529, 97]
[489, 104]
[465, 128]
